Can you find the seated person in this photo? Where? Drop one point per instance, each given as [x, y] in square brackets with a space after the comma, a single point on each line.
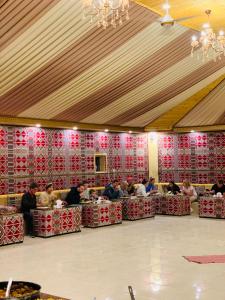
[141, 190]
[48, 197]
[74, 195]
[93, 195]
[124, 189]
[151, 188]
[85, 194]
[131, 187]
[190, 191]
[173, 188]
[112, 190]
[219, 187]
[29, 201]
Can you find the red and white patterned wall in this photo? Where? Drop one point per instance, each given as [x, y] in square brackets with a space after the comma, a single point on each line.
[66, 157]
[199, 157]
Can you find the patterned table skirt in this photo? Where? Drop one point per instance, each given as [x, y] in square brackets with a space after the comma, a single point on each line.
[138, 208]
[174, 205]
[58, 221]
[211, 207]
[96, 215]
[11, 229]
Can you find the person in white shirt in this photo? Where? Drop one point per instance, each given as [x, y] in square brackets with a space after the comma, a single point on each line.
[48, 197]
[188, 190]
[141, 190]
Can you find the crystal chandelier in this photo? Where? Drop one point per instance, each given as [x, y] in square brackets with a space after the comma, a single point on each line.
[106, 12]
[209, 44]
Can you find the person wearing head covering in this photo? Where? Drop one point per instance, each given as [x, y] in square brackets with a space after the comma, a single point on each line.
[48, 197]
[28, 202]
[131, 186]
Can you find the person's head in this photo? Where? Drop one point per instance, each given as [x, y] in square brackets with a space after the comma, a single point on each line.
[93, 193]
[129, 180]
[85, 184]
[220, 183]
[33, 187]
[171, 183]
[115, 183]
[80, 188]
[49, 188]
[144, 181]
[151, 180]
[186, 183]
[124, 185]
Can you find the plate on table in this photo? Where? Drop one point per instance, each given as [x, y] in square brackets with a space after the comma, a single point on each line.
[21, 290]
[43, 207]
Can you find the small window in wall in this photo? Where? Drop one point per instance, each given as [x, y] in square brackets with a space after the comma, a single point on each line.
[100, 162]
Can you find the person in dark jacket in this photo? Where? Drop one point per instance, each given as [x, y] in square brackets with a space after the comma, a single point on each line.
[74, 194]
[112, 190]
[173, 188]
[219, 187]
[29, 201]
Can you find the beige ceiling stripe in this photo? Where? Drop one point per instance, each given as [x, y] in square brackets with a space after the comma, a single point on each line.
[108, 69]
[136, 76]
[84, 53]
[208, 111]
[55, 31]
[171, 91]
[156, 112]
[19, 16]
[144, 91]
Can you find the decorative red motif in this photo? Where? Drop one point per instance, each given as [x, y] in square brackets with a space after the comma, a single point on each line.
[96, 215]
[54, 222]
[211, 207]
[139, 208]
[11, 229]
[172, 205]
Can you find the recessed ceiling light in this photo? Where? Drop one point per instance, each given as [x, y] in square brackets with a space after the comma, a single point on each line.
[106, 130]
[74, 128]
[38, 125]
[192, 131]
[130, 131]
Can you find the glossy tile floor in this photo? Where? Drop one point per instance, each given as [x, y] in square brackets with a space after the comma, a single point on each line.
[146, 254]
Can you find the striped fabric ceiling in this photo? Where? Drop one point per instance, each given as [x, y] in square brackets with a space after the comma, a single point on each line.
[56, 66]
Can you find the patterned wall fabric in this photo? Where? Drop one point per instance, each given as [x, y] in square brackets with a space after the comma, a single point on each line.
[66, 157]
[199, 157]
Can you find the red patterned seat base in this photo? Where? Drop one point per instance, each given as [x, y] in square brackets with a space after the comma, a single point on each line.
[48, 223]
[138, 208]
[97, 215]
[210, 207]
[174, 205]
[11, 229]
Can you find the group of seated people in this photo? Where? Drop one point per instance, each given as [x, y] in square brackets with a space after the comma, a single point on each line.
[114, 190]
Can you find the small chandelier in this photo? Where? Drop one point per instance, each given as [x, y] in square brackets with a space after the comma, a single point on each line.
[106, 12]
[209, 44]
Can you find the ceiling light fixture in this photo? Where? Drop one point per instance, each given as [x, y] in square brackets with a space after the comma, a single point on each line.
[130, 131]
[38, 125]
[209, 44]
[106, 12]
[75, 128]
[106, 130]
